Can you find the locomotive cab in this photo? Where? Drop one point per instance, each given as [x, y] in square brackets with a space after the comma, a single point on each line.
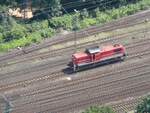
[93, 50]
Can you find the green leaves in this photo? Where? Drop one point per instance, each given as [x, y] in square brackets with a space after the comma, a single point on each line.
[55, 7]
[64, 22]
[95, 109]
[87, 22]
[144, 106]
[14, 33]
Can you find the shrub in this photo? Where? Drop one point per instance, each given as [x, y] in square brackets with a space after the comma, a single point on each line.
[144, 106]
[45, 33]
[102, 18]
[16, 32]
[34, 37]
[87, 22]
[61, 22]
[84, 14]
[95, 109]
[1, 37]
[13, 34]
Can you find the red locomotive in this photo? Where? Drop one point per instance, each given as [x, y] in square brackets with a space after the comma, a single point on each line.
[96, 55]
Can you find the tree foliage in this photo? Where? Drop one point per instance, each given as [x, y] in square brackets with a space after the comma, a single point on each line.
[55, 6]
[144, 106]
[99, 110]
[15, 32]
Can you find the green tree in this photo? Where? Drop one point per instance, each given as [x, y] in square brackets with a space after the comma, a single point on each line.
[55, 7]
[84, 14]
[47, 8]
[95, 109]
[144, 106]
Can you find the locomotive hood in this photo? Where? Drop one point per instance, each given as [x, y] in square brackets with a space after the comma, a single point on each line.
[80, 55]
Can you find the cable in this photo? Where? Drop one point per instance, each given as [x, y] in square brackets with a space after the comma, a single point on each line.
[47, 10]
[101, 3]
[72, 5]
[82, 4]
[97, 5]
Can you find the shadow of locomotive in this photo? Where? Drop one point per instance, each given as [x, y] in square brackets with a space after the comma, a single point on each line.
[70, 71]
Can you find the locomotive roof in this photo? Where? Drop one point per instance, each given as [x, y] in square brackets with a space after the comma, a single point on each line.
[95, 49]
[92, 50]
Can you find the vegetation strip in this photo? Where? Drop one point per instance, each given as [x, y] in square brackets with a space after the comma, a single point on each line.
[25, 34]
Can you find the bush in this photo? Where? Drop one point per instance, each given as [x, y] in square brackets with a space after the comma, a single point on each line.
[1, 37]
[144, 106]
[16, 32]
[13, 34]
[45, 33]
[35, 37]
[64, 22]
[99, 110]
[87, 22]
[84, 14]
[102, 18]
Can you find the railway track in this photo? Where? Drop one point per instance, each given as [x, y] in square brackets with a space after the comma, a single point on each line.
[100, 85]
[58, 74]
[121, 106]
[76, 96]
[70, 49]
[82, 81]
[133, 91]
[126, 106]
[131, 20]
[77, 88]
[63, 109]
[103, 74]
[65, 50]
[48, 65]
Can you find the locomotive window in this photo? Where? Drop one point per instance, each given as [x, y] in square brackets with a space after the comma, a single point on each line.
[117, 50]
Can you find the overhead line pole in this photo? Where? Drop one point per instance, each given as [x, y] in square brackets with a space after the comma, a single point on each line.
[75, 28]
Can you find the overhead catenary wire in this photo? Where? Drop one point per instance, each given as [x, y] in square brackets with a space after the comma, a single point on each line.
[49, 16]
[47, 9]
[90, 2]
[71, 4]
[79, 5]
[44, 10]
